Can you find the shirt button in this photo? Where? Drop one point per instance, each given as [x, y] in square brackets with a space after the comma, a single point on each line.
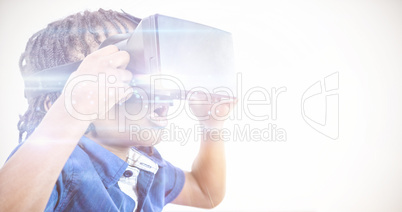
[128, 173]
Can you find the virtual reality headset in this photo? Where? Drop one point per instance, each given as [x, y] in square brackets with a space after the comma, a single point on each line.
[167, 55]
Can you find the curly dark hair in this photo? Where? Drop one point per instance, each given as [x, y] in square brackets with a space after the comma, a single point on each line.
[66, 41]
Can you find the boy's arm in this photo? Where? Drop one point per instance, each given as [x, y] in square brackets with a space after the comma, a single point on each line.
[205, 185]
[28, 177]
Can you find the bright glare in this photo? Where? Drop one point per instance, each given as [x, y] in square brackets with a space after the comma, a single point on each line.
[331, 147]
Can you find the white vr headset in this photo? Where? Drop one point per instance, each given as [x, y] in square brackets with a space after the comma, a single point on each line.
[167, 55]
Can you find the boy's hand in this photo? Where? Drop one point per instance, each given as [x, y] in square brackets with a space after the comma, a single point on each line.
[99, 83]
[211, 110]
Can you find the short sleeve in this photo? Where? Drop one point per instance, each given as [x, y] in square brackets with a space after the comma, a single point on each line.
[174, 182]
[53, 200]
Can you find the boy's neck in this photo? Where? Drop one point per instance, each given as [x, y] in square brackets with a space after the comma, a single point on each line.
[119, 151]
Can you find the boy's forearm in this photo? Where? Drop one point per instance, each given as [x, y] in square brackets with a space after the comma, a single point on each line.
[27, 179]
[209, 168]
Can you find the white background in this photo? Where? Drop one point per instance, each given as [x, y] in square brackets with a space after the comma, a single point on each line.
[290, 44]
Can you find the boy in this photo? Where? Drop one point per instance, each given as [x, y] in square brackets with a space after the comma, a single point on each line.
[67, 163]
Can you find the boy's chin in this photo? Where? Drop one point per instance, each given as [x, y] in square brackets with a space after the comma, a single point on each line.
[145, 136]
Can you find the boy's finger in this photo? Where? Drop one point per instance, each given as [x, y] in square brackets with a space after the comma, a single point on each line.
[118, 59]
[129, 91]
[107, 50]
[124, 75]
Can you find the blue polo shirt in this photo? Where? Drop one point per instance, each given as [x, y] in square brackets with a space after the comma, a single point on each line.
[89, 182]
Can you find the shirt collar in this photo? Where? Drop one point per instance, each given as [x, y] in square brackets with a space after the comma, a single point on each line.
[152, 154]
[108, 166]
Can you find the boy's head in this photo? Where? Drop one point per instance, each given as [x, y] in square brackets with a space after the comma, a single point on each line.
[65, 41]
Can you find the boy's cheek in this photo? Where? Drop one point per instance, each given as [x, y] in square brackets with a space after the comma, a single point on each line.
[132, 111]
[134, 108]
[132, 127]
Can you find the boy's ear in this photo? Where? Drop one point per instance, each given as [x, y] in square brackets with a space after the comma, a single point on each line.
[47, 103]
